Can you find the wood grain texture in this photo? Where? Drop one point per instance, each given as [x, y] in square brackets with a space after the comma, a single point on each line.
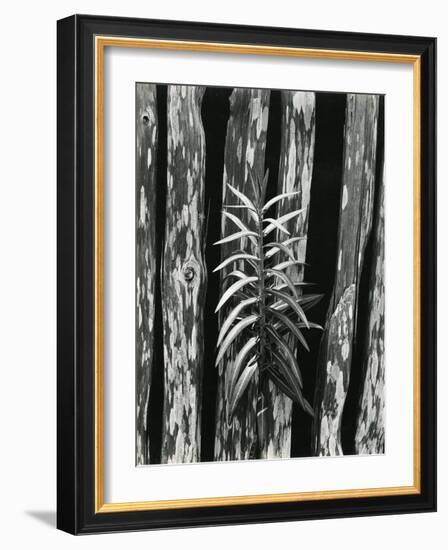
[244, 151]
[370, 438]
[145, 193]
[295, 174]
[355, 222]
[184, 276]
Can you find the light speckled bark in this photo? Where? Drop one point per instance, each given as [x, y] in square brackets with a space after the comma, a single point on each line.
[244, 150]
[369, 438]
[184, 276]
[295, 174]
[356, 209]
[145, 192]
[337, 343]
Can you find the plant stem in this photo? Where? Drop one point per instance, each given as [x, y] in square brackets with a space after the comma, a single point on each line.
[262, 294]
[261, 328]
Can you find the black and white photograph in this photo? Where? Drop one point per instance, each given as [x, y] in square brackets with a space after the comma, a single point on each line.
[220, 306]
[246, 275]
[259, 274]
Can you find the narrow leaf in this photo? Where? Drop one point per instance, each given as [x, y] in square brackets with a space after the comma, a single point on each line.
[290, 326]
[235, 236]
[287, 242]
[235, 258]
[245, 200]
[232, 289]
[264, 184]
[280, 383]
[278, 223]
[252, 214]
[234, 332]
[290, 215]
[278, 198]
[241, 206]
[276, 247]
[307, 301]
[233, 315]
[287, 373]
[240, 359]
[252, 263]
[255, 187]
[287, 352]
[272, 225]
[241, 385]
[240, 295]
[311, 325]
[296, 394]
[239, 224]
[289, 301]
[306, 406]
[235, 220]
[236, 273]
[285, 279]
[248, 291]
[288, 387]
[289, 263]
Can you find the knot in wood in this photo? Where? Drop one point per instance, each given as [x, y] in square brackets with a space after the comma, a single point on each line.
[189, 273]
[145, 119]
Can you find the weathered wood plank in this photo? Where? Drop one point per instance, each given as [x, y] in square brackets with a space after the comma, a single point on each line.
[184, 276]
[295, 174]
[145, 193]
[369, 438]
[244, 150]
[356, 209]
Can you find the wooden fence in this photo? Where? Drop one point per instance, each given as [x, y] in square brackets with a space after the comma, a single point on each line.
[185, 278]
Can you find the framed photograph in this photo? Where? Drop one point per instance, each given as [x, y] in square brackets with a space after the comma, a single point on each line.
[246, 274]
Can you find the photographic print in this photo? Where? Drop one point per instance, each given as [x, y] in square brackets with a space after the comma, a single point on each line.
[223, 242]
[259, 274]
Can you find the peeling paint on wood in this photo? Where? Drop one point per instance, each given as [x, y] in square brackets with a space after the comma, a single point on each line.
[355, 223]
[145, 191]
[295, 174]
[369, 438]
[184, 276]
[244, 150]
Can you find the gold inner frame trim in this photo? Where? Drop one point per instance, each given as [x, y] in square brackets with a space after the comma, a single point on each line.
[101, 42]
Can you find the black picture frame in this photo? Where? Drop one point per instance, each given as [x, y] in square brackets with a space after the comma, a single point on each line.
[76, 511]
